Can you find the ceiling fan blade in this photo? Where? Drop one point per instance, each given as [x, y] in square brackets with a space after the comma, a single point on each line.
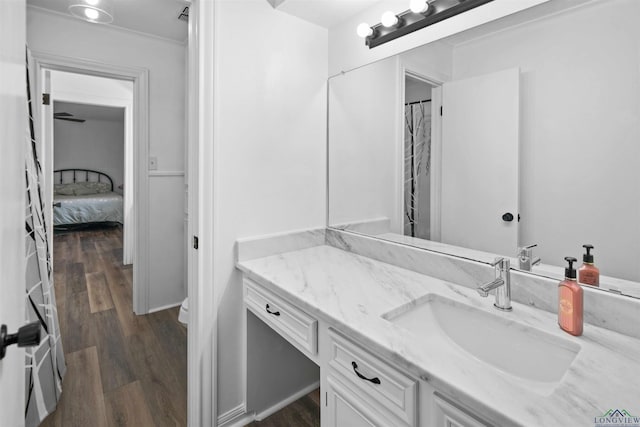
[62, 114]
[70, 120]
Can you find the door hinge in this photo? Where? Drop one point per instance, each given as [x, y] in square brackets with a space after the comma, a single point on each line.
[195, 242]
[46, 99]
[441, 110]
[326, 398]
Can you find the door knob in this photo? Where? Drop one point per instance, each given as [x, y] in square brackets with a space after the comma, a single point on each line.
[27, 336]
[507, 217]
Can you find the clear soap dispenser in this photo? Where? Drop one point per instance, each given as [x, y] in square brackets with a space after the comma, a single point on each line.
[570, 301]
[588, 274]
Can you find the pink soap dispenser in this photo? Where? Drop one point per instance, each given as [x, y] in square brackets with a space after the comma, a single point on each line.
[570, 301]
[588, 274]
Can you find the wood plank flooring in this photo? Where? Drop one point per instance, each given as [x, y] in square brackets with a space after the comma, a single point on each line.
[122, 369]
[304, 412]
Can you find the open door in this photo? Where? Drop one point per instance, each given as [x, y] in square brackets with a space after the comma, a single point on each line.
[13, 126]
[480, 140]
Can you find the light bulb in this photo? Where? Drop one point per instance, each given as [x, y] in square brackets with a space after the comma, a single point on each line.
[419, 6]
[92, 2]
[91, 13]
[364, 30]
[389, 19]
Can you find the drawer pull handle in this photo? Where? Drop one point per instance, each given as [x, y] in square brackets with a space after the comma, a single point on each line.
[275, 313]
[374, 380]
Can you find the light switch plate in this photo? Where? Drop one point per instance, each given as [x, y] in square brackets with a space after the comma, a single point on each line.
[153, 163]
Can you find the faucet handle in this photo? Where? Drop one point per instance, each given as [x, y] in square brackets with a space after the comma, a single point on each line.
[496, 261]
[526, 250]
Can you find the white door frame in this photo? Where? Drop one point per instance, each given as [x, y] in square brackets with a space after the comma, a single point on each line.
[13, 128]
[203, 307]
[140, 79]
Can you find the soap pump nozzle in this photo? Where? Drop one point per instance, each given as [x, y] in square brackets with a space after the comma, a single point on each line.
[588, 257]
[570, 271]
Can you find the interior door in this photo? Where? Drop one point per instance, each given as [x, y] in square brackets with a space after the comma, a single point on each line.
[480, 140]
[13, 126]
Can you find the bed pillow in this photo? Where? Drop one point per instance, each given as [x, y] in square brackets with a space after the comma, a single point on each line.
[64, 189]
[82, 188]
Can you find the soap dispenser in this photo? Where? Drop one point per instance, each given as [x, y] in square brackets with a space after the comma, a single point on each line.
[570, 301]
[588, 274]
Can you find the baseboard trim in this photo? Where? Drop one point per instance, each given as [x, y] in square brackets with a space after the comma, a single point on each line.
[164, 307]
[236, 417]
[289, 400]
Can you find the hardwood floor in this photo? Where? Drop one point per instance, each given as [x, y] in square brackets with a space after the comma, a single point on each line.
[304, 412]
[122, 369]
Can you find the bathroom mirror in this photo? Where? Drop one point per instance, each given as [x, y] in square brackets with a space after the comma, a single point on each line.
[536, 143]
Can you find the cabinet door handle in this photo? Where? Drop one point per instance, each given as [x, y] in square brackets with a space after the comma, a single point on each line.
[275, 313]
[374, 380]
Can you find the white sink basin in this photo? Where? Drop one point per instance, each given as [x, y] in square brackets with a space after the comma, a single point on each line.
[506, 345]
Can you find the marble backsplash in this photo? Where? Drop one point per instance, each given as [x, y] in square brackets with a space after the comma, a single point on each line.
[604, 309]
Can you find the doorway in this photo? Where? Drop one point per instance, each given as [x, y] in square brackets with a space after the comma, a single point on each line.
[417, 157]
[83, 82]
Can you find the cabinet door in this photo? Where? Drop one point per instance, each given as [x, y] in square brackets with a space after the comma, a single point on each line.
[448, 415]
[347, 409]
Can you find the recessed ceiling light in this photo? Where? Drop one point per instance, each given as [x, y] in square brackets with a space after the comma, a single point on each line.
[98, 11]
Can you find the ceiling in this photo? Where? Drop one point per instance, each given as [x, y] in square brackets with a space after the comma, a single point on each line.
[155, 17]
[326, 13]
[89, 111]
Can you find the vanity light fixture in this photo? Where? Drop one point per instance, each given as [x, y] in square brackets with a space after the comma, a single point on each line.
[364, 30]
[420, 14]
[97, 11]
[419, 6]
[389, 19]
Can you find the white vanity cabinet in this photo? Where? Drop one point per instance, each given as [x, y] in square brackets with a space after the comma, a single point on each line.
[363, 386]
[290, 322]
[446, 414]
[345, 408]
[359, 388]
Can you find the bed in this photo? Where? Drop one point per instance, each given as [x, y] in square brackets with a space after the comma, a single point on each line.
[84, 197]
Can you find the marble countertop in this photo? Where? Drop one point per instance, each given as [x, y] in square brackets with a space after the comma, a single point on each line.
[351, 293]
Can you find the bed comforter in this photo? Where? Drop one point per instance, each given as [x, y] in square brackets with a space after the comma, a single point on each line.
[103, 207]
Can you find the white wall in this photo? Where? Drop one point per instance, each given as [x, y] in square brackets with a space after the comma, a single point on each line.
[347, 50]
[580, 130]
[94, 144]
[70, 37]
[270, 131]
[416, 90]
[364, 178]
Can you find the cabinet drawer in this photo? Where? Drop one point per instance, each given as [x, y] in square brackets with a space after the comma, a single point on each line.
[293, 324]
[385, 386]
[446, 414]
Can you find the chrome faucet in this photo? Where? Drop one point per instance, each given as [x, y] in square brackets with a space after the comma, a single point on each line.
[502, 285]
[525, 258]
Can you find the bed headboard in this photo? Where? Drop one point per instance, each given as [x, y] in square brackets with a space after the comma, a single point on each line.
[67, 176]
